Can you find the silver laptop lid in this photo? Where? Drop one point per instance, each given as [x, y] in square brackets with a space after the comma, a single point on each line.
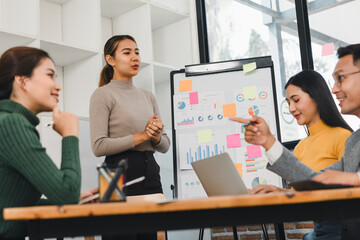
[218, 176]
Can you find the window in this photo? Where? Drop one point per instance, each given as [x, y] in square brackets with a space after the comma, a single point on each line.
[242, 28]
[330, 28]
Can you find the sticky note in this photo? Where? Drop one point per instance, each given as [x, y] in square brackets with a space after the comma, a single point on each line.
[253, 151]
[250, 92]
[249, 67]
[204, 136]
[233, 140]
[328, 49]
[238, 167]
[185, 85]
[194, 98]
[229, 110]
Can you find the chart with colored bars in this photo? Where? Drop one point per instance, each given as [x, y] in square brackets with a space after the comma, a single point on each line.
[186, 122]
[203, 151]
[254, 164]
[192, 150]
[209, 101]
[255, 172]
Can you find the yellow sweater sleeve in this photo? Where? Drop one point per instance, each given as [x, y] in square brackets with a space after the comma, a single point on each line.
[340, 146]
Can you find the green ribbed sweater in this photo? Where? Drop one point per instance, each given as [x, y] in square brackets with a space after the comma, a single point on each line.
[27, 172]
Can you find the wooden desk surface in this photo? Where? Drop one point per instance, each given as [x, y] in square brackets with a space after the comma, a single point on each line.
[144, 207]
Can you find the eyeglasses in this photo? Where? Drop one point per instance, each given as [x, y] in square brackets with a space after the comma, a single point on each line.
[338, 78]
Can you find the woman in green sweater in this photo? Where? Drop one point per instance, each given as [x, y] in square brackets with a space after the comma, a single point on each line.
[28, 87]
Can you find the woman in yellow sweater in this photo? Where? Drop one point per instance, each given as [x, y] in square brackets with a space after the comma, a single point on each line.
[312, 105]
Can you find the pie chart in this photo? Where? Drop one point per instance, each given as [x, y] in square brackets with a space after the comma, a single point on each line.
[240, 97]
[181, 105]
[257, 181]
[254, 110]
[263, 95]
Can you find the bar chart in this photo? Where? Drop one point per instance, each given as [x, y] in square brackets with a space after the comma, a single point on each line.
[194, 149]
[203, 151]
[186, 122]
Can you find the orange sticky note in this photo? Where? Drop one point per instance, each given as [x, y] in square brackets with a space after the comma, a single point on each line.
[328, 49]
[238, 167]
[229, 110]
[185, 85]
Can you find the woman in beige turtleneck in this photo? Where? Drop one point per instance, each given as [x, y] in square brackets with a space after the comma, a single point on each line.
[124, 120]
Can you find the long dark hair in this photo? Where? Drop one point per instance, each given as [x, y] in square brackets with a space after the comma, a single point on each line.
[109, 49]
[315, 85]
[18, 61]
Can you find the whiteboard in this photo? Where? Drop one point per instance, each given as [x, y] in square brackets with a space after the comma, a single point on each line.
[201, 127]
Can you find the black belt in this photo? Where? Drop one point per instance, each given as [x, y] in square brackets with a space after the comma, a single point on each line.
[112, 160]
[140, 163]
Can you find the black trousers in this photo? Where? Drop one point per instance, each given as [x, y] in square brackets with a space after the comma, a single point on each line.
[139, 164]
[350, 229]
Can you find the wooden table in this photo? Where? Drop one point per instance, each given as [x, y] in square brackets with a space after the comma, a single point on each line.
[145, 216]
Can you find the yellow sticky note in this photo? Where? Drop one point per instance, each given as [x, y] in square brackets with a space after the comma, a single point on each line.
[204, 136]
[249, 67]
[229, 110]
[238, 167]
[250, 92]
[185, 85]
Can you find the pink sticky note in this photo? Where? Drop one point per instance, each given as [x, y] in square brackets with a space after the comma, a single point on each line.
[328, 49]
[194, 98]
[253, 151]
[233, 140]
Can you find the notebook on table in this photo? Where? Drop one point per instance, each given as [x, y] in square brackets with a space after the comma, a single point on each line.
[218, 176]
[309, 184]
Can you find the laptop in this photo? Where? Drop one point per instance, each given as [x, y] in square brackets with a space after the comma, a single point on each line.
[218, 176]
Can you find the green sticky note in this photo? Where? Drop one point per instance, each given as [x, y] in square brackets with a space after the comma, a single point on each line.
[249, 67]
[204, 136]
[250, 92]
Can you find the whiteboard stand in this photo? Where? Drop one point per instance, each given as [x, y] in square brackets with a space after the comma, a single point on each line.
[201, 95]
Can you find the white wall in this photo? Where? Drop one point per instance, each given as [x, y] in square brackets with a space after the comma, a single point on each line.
[74, 33]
